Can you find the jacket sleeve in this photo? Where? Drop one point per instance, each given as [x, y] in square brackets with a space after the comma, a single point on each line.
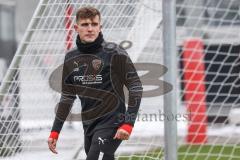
[131, 80]
[68, 96]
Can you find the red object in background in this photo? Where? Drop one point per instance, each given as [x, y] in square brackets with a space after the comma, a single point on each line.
[195, 90]
[68, 22]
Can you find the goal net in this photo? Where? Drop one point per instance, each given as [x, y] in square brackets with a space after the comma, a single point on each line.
[208, 60]
[207, 71]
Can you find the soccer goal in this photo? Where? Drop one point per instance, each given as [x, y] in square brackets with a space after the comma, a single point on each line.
[207, 79]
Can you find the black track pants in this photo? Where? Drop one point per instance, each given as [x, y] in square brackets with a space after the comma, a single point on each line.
[101, 145]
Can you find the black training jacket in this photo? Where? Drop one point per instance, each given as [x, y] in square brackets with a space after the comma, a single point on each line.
[97, 77]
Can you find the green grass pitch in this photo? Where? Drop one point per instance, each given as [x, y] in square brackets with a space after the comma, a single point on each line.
[194, 152]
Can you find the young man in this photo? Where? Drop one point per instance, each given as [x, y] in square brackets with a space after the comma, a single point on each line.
[96, 72]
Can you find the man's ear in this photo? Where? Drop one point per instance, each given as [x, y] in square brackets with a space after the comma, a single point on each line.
[100, 28]
[76, 27]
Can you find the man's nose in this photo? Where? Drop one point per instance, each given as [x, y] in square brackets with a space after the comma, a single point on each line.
[90, 27]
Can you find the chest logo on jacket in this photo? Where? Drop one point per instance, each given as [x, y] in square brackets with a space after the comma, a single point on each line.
[96, 63]
[87, 70]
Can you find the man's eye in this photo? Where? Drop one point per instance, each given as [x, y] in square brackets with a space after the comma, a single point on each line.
[94, 24]
[89, 24]
[84, 24]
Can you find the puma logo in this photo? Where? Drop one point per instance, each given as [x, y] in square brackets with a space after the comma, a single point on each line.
[100, 140]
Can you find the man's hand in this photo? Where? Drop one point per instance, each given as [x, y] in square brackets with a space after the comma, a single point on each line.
[121, 134]
[52, 144]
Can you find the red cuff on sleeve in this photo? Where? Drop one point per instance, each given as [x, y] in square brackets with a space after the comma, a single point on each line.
[127, 127]
[54, 135]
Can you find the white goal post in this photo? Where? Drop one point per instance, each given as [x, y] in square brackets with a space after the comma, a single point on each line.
[206, 83]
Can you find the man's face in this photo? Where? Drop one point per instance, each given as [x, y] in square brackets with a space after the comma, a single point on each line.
[88, 29]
